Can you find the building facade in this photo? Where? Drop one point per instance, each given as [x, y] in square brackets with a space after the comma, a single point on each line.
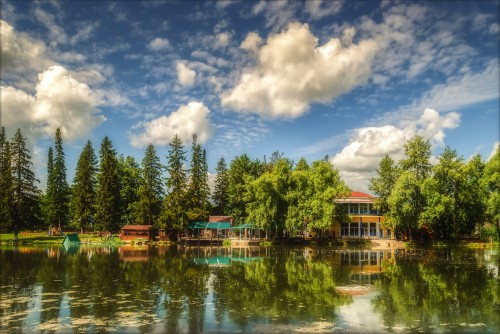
[364, 221]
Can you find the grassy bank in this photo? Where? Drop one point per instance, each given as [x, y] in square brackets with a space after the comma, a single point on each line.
[42, 238]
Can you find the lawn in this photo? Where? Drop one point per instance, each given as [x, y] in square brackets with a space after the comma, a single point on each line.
[43, 238]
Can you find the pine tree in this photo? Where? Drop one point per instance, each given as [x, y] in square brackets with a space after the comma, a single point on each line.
[48, 200]
[221, 195]
[6, 190]
[25, 202]
[197, 190]
[84, 189]
[129, 174]
[108, 189]
[61, 189]
[174, 215]
[151, 188]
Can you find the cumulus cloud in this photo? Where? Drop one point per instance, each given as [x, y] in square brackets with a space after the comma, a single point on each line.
[159, 44]
[222, 39]
[251, 42]
[358, 161]
[185, 121]
[319, 9]
[293, 71]
[185, 75]
[60, 101]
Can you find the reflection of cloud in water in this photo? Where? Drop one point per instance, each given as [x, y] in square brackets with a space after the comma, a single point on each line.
[359, 315]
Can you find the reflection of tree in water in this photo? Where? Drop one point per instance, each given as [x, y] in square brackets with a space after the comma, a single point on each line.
[450, 288]
[282, 288]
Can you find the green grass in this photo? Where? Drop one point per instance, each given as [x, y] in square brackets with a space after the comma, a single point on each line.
[42, 238]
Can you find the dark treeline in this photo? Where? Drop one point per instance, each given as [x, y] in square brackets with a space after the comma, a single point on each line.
[451, 199]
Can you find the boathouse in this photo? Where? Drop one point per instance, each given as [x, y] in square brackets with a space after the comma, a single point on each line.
[133, 232]
[363, 222]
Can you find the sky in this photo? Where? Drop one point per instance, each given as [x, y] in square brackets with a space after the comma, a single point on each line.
[348, 80]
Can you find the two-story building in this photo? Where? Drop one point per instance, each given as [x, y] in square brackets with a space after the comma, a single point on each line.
[365, 222]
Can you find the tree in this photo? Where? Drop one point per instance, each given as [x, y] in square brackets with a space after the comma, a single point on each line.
[83, 199]
[108, 189]
[60, 199]
[25, 199]
[382, 185]
[129, 175]
[151, 188]
[48, 205]
[491, 180]
[296, 218]
[197, 192]
[174, 215]
[6, 184]
[220, 196]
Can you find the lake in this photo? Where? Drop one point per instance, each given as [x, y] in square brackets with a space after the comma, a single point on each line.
[155, 289]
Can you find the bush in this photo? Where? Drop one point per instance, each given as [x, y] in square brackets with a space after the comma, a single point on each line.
[489, 232]
[226, 243]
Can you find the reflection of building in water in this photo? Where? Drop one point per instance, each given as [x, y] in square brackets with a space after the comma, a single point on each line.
[133, 253]
[224, 256]
[365, 266]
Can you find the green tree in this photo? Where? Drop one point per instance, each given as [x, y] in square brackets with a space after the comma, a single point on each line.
[382, 185]
[151, 188]
[197, 191]
[174, 214]
[60, 193]
[6, 184]
[220, 196]
[491, 180]
[129, 175]
[83, 199]
[25, 201]
[48, 205]
[296, 218]
[108, 189]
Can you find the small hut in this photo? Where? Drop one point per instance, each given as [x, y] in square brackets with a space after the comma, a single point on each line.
[133, 232]
[71, 239]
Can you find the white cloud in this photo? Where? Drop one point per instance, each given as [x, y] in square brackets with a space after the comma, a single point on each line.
[251, 42]
[159, 44]
[56, 33]
[222, 40]
[185, 75]
[494, 150]
[358, 161]
[318, 9]
[60, 101]
[293, 71]
[185, 121]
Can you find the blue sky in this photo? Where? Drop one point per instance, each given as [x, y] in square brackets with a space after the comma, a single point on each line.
[351, 80]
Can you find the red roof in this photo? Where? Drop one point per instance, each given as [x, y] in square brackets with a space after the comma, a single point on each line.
[360, 194]
[220, 219]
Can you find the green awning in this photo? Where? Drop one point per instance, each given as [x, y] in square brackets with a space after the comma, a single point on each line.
[209, 226]
[220, 260]
[243, 226]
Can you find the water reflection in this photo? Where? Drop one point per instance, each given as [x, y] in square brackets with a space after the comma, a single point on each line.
[190, 290]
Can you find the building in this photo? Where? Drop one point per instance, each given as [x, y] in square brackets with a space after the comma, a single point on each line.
[138, 232]
[364, 221]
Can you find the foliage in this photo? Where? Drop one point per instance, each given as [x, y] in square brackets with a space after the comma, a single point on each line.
[491, 181]
[150, 190]
[382, 185]
[197, 190]
[220, 195]
[129, 175]
[108, 189]
[83, 192]
[174, 214]
[6, 184]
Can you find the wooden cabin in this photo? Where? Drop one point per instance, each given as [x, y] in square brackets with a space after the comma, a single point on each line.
[134, 232]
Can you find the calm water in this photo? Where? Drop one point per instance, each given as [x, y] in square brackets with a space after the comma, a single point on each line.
[262, 290]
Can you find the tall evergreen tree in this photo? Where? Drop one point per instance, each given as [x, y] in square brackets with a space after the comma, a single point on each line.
[6, 190]
[221, 195]
[25, 201]
[83, 192]
[48, 204]
[151, 188]
[383, 183]
[174, 214]
[129, 174]
[61, 188]
[108, 189]
[197, 190]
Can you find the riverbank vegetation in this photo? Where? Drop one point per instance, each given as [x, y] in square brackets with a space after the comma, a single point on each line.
[450, 199]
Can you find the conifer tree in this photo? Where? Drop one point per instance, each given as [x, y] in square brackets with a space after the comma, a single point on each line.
[48, 200]
[221, 195]
[25, 201]
[61, 189]
[174, 215]
[108, 189]
[6, 190]
[151, 188]
[197, 191]
[129, 174]
[84, 189]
